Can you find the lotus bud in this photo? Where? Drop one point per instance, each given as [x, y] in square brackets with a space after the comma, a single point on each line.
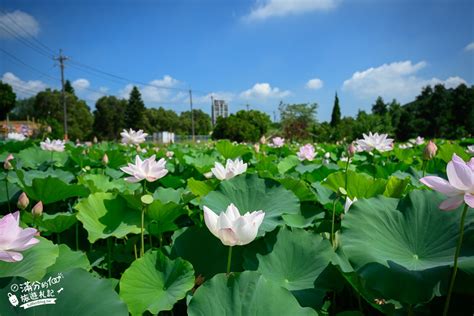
[49, 129]
[351, 150]
[7, 164]
[169, 154]
[430, 150]
[23, 201]
[37, 210]
[95, 140]
[256, 147]
[105, 159]
[263, 140]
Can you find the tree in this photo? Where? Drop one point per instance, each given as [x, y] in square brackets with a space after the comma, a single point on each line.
[68, 87]
[336, 113]
[135, 111]
[243, 126]
[7, 99]
[109, 117]
[161, 120]
[379, 107]
[202, 123]
[297, 119]
[49, 109]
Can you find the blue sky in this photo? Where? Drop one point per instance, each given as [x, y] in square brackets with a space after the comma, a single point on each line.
[247, 52]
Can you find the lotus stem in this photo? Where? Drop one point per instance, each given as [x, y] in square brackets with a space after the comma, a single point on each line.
[456, 255]
[109, 256]
[142, 248]
[347, 169]
[52, 159]
[8, 194]
[77, 236]
[333, 237]
[423, 167]
[229, 259]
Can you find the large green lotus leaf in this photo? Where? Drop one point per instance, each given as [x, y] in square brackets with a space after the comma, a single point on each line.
[56, 223]
[155, 283]
[202, 163]
[35, 261]
[389, 240]
[69, 259]
[13, 190]
[229, 150]
[358, 185]
[100, 183]
[250, 193]
[447, 150]
[209, 260]
[50, 190]
[107, 214]
[244, 294]
[32, 157]
[299, 187]
[28, 176]
[199, 188]
[288, 163]
[297, 259]
[77, 293]
[396, 187]
[163, 215]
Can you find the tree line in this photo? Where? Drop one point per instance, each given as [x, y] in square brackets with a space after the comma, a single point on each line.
[110, 117]
[437, 112]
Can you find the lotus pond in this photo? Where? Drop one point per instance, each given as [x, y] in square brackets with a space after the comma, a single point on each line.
[234, 229]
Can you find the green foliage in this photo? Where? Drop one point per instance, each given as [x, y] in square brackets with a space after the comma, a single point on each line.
[135, 111]
[109, 117]
[159, 120]
[297, 119]
[202, 123]
[243, 126]
[7, 99]
[68, 87]
[336, 113]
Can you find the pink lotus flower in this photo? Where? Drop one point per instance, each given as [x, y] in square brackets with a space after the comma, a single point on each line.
[148, 169]
[278, 142]
[7, 165]
[306, 152]
[55, 145]
[460, 186]
[133, 137]
[14, 239]
[232, 168]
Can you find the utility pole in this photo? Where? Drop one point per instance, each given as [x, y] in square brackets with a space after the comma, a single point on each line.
[192, 113]
[213, 119]
[248, 106]
[274, 117]
[61, 60]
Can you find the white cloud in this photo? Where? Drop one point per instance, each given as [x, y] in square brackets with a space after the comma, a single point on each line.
[155, 92]
[395, 80]
[314, 84]
[20, 23]
[23, 89]
[469, 47]
[81, 84]
[221, 95]
[272, 8]
[263, 91]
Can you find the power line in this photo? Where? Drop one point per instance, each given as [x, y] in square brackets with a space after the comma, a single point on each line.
[26, 65]
[27, 32]
[24, 41]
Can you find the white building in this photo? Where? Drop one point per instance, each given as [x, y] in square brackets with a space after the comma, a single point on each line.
[219, 108]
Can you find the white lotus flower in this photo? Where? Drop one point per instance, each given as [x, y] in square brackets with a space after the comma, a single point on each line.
[232, 169]
[348, 203]
[231, 227]
[417, 141]
[376, 141]
[133, 137]
[55, 145]
[470, 150]
[148, 169]
[16, 136]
